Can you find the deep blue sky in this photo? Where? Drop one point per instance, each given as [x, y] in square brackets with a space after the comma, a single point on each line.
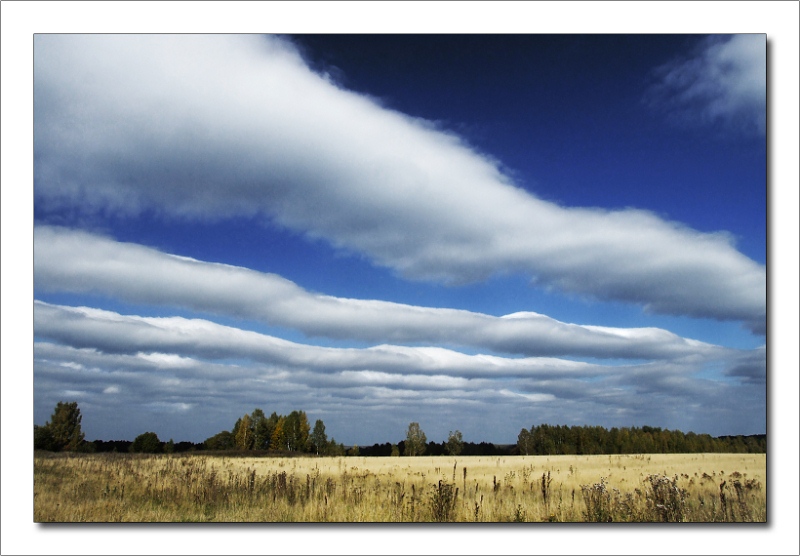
[568, 115]
[336, 168]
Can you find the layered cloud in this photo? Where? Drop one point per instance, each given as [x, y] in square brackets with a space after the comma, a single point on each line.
[725, 82]
[216, 126]
[74, 261]
[111, 332]
[199, 374]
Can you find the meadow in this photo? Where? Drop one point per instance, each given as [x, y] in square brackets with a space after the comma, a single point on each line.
[196, 487]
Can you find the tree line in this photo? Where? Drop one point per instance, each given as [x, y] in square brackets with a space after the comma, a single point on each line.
[588, 440]
[251, 432]
[287, 433]
[256, 433]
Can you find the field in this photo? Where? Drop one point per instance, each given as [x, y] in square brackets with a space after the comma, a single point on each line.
[183, 487]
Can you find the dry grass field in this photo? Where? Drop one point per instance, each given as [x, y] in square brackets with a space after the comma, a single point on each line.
[182, 487]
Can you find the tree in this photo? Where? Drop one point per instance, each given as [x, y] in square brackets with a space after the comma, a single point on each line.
[415, 440]
[455, 443]
[65, 427]
[146, 443]
[318, 437]
[261, 430]
[269, 431]
[244, 436]
[335, 448]
[278, 440]
[296, 429]
[221, 441]
[525, 442]
[43, 439]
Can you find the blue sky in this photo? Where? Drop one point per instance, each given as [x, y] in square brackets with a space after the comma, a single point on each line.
[473, 232]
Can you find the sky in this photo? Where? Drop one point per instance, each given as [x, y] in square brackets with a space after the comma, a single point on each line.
[474, 232]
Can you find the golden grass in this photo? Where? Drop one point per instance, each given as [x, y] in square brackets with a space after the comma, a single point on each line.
[180, 487]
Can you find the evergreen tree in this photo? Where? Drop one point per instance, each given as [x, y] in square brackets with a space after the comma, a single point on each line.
[65, 427]
[261, 430]
[43, 439]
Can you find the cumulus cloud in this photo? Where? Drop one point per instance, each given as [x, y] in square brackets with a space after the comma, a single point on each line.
[129, 123]
[725, 83]
[75, 261]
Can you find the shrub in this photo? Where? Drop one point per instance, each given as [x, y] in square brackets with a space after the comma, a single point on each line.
[443, 501]
[666, 501]
[146, 443]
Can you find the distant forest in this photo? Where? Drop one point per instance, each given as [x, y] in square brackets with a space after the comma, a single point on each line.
[542, 440]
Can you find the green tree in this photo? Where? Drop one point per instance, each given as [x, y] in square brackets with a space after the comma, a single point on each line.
[271, 423]
[335, 449]
[395, 451]
[318, 437]
[221, 441]
[169, 447]
[43, 439]
[296, 429]
[455, 443]
[261, 430]
[525, 442]
[415, 440]
[146, 443]
[65, 427]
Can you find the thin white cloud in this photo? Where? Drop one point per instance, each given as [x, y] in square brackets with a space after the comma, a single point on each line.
[106, 331]
[126, 123]
[725, 82]
[75, 261]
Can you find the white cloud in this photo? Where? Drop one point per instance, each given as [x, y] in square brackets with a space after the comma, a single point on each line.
[74, 261]
[132, 122]
[724, 83]
[106, 331]
[154, 365]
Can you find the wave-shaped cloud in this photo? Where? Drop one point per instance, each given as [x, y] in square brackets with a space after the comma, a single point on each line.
[218, 126]
[76, 261]
[201, 374]
[85, 327]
